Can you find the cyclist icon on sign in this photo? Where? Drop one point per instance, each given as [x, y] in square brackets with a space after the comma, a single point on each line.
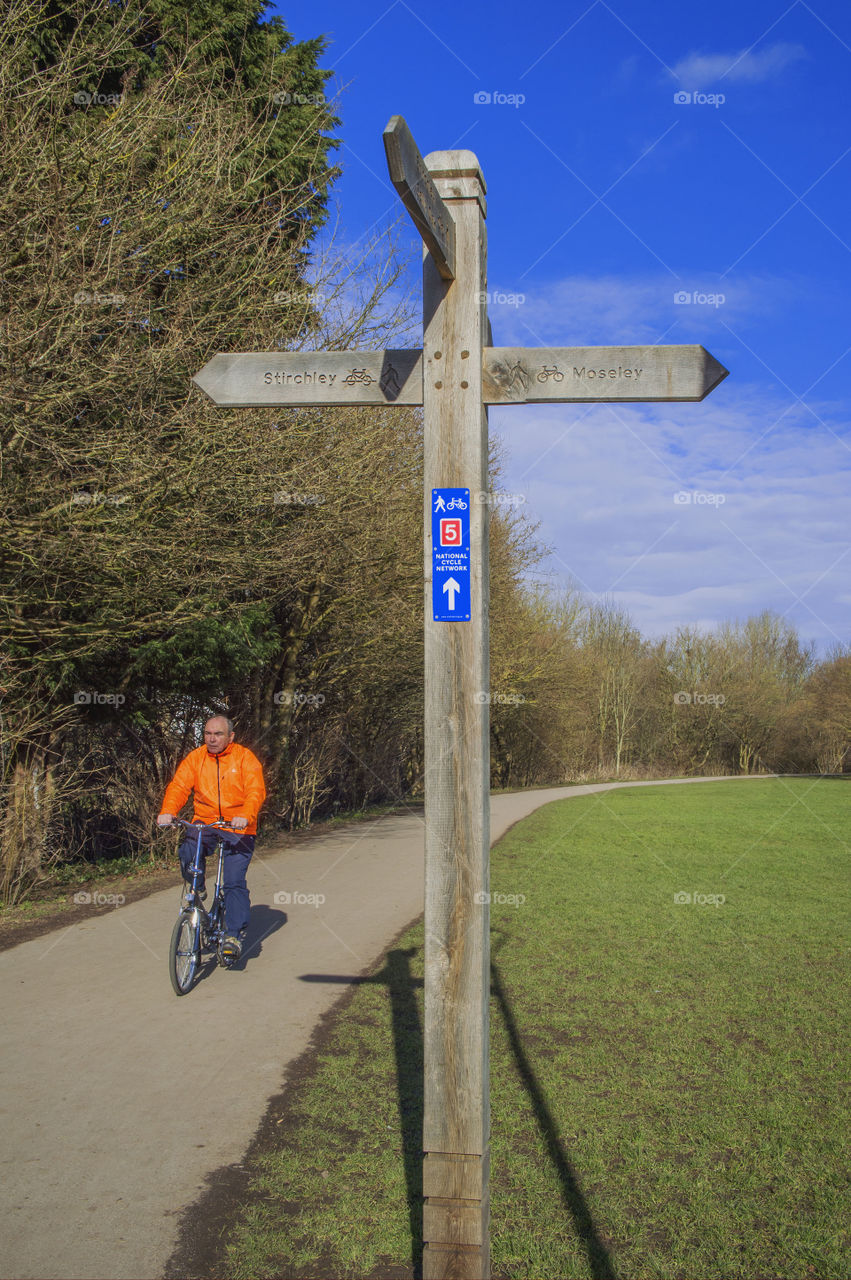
[457, 504]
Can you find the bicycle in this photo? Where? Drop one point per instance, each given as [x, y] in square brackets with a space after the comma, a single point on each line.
[197, 930]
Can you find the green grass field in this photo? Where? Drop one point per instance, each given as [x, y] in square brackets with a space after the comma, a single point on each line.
[667, 1077]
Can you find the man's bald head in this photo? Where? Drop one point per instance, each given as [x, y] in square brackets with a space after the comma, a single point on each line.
[218, 732]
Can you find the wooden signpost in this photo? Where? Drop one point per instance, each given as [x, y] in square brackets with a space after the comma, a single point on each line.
[510, 375]
[313, 377]
[455, 376]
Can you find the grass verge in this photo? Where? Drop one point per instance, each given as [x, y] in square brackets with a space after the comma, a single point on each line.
[666, 1075]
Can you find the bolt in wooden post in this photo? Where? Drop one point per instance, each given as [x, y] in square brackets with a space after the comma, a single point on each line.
[457, 759]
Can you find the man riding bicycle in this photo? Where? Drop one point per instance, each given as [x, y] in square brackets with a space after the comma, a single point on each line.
[227, 780]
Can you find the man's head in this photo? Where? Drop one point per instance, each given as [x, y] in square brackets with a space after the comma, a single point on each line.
[218, 732]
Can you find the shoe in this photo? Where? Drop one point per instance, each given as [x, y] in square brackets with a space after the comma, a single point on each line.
[190, 897]
[231, 948]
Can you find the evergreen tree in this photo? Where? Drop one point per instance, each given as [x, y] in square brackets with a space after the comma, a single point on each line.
[163, 170]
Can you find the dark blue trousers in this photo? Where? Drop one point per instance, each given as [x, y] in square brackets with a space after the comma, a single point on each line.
[237, 857]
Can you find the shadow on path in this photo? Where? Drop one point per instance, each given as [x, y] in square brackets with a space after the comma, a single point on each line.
[262, 922]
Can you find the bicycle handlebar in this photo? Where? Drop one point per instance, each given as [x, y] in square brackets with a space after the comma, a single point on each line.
[203, 826]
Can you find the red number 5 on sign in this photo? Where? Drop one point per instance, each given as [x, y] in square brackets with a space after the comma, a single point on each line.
[450, 533]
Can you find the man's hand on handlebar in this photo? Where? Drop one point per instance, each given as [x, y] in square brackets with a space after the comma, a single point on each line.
[235, 824]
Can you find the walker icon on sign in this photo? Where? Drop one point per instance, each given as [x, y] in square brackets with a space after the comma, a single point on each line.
[450, 548]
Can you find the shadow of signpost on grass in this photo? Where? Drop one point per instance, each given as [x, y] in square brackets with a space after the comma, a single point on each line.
[408, 1051]
[599, 1262]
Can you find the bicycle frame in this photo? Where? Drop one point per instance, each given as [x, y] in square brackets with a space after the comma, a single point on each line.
[212, 922]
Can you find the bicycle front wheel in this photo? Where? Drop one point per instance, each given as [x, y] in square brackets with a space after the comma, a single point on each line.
[184, 953]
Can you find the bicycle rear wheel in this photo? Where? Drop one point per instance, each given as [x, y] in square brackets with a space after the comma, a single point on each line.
[184, 953]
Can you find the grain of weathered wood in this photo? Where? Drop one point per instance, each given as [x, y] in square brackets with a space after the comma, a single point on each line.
[510, 375]
[252, 379]
[535, 375]
[460, 1262]
[411, 178]
[460, 1176]
[462, 1222]
[457, 762]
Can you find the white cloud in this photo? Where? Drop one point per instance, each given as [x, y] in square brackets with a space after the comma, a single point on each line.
[556, 312]
[765, 528]
[701, 69]
[612, 310]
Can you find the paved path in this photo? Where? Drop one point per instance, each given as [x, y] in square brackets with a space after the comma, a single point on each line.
[119, 1097]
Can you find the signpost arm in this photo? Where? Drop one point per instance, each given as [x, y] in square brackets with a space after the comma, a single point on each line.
[457, 756]
[409, 175]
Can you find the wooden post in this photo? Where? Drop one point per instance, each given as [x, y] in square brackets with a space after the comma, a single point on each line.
[457, 374]
[457, 757]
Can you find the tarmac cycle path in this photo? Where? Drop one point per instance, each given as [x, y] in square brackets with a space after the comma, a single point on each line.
[119, 1097]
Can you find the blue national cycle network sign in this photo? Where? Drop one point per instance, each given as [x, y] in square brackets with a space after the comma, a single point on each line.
[450, 551]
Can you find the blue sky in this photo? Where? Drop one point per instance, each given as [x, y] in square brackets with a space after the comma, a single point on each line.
[636, 154]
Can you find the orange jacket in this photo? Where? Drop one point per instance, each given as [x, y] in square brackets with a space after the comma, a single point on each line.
[228, 785]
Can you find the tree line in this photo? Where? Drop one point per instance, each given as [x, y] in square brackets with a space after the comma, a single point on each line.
[597, 699]
[166, 194]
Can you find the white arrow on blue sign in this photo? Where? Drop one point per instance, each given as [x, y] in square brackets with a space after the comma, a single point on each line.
[450, 555]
